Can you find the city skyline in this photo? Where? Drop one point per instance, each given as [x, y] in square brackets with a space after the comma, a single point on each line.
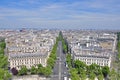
[60, 14]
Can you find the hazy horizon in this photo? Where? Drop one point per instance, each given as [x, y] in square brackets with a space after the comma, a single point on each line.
[60, 14]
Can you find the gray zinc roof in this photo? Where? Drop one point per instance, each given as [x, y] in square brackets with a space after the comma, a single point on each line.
[21, 55]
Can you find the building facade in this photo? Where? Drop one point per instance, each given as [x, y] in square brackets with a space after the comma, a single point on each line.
[30, 47]
[91, 47]
[27, 59]
[91, 59]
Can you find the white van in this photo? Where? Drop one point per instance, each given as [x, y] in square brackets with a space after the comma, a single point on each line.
[65, 78]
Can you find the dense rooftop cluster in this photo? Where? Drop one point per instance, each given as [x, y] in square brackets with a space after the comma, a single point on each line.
[29, 47]
[91, 46]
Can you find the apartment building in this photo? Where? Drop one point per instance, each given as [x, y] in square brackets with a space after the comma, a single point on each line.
[91, 56]
[91, 46]
[27, 59]
[29, 48]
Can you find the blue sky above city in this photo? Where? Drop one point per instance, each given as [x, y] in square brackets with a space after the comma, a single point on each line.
[61, 14]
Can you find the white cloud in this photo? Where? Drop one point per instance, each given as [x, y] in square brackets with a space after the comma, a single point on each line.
[78, 14]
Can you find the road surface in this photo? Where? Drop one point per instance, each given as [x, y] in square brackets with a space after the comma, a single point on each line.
[60, 70]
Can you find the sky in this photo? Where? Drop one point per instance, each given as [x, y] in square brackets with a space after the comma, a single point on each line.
[60, 14]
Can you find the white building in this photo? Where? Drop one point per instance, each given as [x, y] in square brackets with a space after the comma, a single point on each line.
[90, 59]
[92, 55]
[91, 46]
[30, 48]
[27, 59]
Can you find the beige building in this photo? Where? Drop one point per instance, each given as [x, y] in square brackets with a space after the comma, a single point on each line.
[27, 59]
[91, 46]
[30, 47]
[90, 59]
[90, 56]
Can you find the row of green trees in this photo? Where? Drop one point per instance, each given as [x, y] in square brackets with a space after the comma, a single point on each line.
[80, 71]
[118, 44]
[45, 71]
[40, 70]
[64, 43]
[4, 73]
[115, 75]
[53, 56]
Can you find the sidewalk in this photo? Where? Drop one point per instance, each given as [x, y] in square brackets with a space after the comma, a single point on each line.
[29, 77]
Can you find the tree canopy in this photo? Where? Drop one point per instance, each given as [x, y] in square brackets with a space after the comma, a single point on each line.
[33, 70]
[23, 70]
[4, 74]
[105, 71]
